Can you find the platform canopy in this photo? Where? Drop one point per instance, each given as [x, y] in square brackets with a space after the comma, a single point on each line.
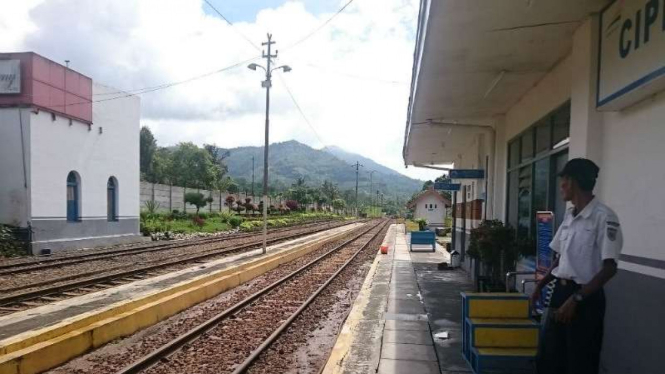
[474, 60]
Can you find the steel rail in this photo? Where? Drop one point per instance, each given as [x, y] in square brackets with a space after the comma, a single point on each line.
[75, 259]
[31, 295]
[174, 345]
[244, 366]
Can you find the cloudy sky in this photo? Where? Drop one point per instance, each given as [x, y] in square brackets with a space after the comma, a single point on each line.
[350, 78]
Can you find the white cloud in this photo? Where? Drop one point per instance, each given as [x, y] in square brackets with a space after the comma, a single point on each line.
[341, 76]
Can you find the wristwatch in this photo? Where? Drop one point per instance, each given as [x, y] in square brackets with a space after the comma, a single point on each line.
[578, 297]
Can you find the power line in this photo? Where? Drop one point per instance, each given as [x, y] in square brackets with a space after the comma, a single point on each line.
[140, 91]
[301, 40]
[125, 94]
[233, 26]
[295, 102]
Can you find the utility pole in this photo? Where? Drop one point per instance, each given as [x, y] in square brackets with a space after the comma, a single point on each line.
[371, 200]
[253, 177]
[267, 84]
[357, 165]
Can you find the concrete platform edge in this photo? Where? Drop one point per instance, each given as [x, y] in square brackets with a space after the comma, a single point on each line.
[346, 337]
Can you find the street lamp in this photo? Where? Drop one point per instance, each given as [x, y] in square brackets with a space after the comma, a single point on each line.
[267, 84]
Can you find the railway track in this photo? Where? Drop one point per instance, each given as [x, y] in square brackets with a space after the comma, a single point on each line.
[72, 286]
[232, 340]
[52, 262]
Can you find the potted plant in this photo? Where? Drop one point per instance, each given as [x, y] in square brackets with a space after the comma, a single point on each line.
[493, 245]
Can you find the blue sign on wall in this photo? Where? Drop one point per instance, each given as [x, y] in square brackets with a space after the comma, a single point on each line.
[467, 174]
[447, 186]
[544, 234]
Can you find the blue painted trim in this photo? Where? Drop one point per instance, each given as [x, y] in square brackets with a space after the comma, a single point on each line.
[630, 87]
[502, 297]
[475, 351]
[533, 324]
[642, 81]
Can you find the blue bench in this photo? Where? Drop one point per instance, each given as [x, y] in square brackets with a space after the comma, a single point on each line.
[423, 237]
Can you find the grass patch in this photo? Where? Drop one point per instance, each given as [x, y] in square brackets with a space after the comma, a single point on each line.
[411, 225]
[180, 223]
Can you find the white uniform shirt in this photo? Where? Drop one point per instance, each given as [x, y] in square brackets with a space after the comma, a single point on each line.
[585, 240]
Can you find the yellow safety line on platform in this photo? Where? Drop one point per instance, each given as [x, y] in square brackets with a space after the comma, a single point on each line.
[37, 351]
[347, 335]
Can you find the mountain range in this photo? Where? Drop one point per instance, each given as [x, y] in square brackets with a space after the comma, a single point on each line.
[292, 160]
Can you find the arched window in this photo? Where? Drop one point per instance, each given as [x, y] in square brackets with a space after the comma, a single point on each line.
[73, 196]
[112, 199]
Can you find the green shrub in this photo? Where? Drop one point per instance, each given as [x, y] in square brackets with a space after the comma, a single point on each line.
[176, 215]
[152, 206]
[246, 226]
[493, 243]
[154, 226]
[9, 246]
[235, 221]
[224, 217]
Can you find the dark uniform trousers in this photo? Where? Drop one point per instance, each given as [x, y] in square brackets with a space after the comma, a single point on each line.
[572, 348]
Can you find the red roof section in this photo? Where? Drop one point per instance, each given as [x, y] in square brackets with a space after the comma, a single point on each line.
[50, 86]
[428, 192]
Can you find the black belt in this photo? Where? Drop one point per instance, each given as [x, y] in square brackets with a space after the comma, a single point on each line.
[567, 282]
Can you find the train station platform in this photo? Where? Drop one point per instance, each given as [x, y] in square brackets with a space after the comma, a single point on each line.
[37, 339]
[407, 316]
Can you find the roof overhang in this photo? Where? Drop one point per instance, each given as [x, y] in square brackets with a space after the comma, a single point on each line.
[474, 60]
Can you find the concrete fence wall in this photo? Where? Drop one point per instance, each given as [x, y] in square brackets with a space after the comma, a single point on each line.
[172, 198]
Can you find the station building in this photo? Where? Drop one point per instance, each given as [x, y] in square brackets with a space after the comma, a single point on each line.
[519, 87]
[69, 156]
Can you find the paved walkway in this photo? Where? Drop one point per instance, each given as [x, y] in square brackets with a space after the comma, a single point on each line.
[405, 302]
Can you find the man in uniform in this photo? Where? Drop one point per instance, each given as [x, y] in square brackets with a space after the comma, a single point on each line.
[587, 247]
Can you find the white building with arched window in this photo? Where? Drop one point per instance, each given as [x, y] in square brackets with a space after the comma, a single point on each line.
[69, 163]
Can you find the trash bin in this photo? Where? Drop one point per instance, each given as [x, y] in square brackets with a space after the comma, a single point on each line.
[454, 259]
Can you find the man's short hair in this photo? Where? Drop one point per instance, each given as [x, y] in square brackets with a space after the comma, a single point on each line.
[583, 171]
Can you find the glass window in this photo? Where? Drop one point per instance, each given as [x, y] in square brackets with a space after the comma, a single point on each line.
[512, 198]
[73, 194]
[543, 136]
[560, 160]
[524, 211]
[541, 183]
[514, 153]
[561, 124]
[527, 145]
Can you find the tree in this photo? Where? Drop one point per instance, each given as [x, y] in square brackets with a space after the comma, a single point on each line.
[197, 199]
[229, 201]
[338, 204]
[221, 181]
[192, 166]
[329, 190]
[161, 167]
[427, 185]
[147, 146]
